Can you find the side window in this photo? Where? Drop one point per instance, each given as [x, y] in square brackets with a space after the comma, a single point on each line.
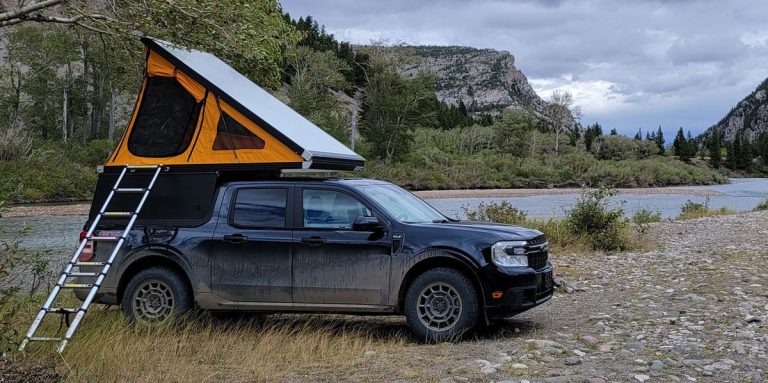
[230, 135]
[330, 209]
[166, 120]
[260, 208]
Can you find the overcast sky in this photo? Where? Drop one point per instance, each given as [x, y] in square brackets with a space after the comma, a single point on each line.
[630, 64]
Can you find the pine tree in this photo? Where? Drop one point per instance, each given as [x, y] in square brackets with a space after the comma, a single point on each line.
[762, 148]
[715, 159]
[659, 138]
[591, 133]
[744, 158]
[681, 147]
[730, 155]
[639, 135]
[692, 145]
[614, 132]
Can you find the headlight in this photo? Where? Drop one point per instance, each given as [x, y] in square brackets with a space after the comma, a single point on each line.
[509, 253]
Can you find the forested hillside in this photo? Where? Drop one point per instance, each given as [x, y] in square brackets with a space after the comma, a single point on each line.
[68, 80]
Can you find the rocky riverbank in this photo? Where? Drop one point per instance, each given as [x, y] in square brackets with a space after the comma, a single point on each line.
[694, 309]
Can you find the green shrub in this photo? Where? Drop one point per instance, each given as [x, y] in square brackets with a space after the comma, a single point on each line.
[623, 148]
[763, 205]
[94, 153]
[590, 224]
[502, 212]
[591, 218]
[691, 210]
[644, 216]
[448, 160]
[47, 176]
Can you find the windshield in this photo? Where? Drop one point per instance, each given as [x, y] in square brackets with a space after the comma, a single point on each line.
[402, 205]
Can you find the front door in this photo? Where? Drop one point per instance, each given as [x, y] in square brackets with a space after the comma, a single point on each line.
[252, 253]
[332, 264]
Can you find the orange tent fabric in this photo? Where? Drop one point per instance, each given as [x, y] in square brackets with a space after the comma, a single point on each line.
[200, 150]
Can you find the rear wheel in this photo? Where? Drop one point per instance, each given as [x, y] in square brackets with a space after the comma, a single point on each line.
[441, 305]
[155, 296]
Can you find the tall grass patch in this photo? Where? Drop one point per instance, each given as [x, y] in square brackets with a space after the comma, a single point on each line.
[691, 210]
[204, 348]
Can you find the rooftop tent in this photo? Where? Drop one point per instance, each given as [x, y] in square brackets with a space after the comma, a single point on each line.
[196, 112]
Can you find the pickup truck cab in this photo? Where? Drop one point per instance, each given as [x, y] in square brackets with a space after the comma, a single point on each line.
[352, 246]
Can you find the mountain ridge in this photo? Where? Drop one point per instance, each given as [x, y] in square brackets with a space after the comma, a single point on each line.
[748, 119]
[485, 80]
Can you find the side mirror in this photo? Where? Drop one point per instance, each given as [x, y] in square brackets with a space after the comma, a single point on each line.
[363, 223]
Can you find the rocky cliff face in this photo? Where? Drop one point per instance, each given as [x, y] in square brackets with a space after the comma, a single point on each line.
[485, 80]
[749, 117]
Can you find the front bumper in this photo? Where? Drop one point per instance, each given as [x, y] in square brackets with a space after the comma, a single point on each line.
[520, 289]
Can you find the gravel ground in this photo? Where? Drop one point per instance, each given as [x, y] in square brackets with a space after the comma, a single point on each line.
[693, 310]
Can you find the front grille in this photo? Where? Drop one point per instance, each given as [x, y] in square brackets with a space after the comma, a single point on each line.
[537, 260]
[537, 241]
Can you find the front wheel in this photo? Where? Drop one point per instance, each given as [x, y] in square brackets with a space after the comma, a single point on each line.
[441, 305]
[155, 296]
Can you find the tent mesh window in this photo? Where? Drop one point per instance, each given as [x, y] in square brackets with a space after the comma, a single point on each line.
[166, 120]
[232, 135]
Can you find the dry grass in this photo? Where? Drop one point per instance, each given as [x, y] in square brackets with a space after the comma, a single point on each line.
[205, 349]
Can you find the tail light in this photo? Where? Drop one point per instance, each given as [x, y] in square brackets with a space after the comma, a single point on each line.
[87, 252]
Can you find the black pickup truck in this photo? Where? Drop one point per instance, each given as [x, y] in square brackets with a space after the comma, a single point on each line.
[351, 246]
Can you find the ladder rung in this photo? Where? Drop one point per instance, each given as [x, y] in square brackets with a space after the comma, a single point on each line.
[45, 339]
[117, 214]
[130, 190]
[61, 310]
[76, 286]
[106, 239]
[89, 263]
[142, 166]
[82, 274]
[100, 275]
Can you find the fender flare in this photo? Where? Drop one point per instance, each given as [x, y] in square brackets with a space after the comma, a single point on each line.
[150, 255]
[437, 257]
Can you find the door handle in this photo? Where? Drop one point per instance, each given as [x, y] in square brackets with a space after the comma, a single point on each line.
[235, 238]
[313, 241]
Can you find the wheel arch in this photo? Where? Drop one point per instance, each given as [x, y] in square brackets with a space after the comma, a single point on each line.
[146, 258]
[442, 257]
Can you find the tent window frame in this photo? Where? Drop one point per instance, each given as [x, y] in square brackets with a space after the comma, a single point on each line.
[191, 126]
[228, 129]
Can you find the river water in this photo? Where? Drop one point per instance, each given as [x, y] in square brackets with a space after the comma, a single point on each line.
[742, 194]
[47, 233]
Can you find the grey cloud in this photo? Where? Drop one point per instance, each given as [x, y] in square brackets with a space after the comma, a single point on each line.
[664, 59]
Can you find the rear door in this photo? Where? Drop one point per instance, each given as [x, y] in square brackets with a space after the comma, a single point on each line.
[252, 249]
[332, 264]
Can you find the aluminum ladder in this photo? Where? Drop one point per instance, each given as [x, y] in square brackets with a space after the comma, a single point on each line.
[89, 237]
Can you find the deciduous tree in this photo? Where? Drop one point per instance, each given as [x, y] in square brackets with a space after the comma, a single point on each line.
[563, 112]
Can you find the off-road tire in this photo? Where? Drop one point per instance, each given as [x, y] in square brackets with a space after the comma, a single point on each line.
[441, 305]
[161, 293]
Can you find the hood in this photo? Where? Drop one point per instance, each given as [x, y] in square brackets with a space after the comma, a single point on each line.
[501, 232]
